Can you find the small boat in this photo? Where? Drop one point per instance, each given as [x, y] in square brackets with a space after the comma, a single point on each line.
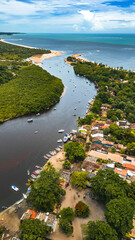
[54, 109]
[57, 149]
[65, 139]
[59, 141]
[4, 207]
[35, 173]
[38, 114]
[46, 157]
[75, 108]
[24, 195]
[52, 152]
[38, 167]
[28, 172]
[36, 132]
[30, 120]
[33, 176]
[61, 131]
[60, 147]
[74, 114]
[15, 188]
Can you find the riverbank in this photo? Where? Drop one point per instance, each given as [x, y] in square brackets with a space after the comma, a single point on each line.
[41, 57]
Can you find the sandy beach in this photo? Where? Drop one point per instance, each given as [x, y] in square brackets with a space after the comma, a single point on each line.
[41, 57]
[77, 56]
[19, 45]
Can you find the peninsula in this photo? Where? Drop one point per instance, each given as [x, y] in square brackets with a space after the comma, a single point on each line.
[24, 87]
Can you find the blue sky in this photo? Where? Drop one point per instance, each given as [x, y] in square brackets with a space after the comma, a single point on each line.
[68, 16]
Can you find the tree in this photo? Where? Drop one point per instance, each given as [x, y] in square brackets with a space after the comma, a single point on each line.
[80, 179]
[74, 151]
[46, 191]
[82, 209]
[65, 226]
[107, 185]
[132, 190]
[33, 229]
[66, 164]
[67, 213]
[119, 213]
[1, 231]
[100, 230]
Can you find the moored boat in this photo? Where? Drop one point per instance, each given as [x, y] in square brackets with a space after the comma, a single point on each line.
[59, 141]
[30, 120]
[15, 188]
[61, 131]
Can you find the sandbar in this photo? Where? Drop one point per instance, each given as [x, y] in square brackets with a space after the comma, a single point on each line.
[41, 57]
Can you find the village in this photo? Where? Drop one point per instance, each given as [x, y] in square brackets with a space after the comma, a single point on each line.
[101, 154]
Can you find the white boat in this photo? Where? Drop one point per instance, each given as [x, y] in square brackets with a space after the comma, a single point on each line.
[28, 172]
[54, 108]
[24, 195]
[30, 120]
[36, 132]
[65, 139]
[61, 131]
[38, 114]
[15, 188]
[59, 141]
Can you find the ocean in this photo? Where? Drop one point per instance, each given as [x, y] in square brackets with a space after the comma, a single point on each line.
[115, 50]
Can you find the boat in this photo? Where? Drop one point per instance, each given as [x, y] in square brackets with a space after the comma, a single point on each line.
[36, 132]
[58, 149]
[38, 167]
[28, 172]
[52, 152]
[65, 139]
[61, 131]
[74, 114]
[59, 141]
[15, 188]
[24, 195]
[33, 176]
[38, 114]
[75, 108]
[4, 207]
[54, 109]
[30, 120]
[46, 157]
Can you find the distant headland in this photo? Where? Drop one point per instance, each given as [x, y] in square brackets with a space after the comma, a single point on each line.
[10, 33]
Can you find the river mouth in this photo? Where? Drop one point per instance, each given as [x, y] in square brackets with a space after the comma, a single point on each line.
[22, 149]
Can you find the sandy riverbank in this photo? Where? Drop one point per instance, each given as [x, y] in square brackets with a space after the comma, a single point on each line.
[78, 57]
[41, 57]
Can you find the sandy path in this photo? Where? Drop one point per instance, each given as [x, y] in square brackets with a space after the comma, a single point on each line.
[41, 57]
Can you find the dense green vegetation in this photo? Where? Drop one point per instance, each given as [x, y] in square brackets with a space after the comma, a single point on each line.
[46, 191]
[65, 224]
[33, 90]
[100, 230]
[119, 213]
[107, 185]
[1, 231]
[116, 87]
[66, 164]
[80, 179]
[74, 151]
[24, 87]
[118, 196]
[34, 229]
[86, 120]
[82, 209]
[13, 52]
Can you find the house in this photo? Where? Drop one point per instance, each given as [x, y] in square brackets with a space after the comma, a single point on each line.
[115, 157]
[90, 163]
[97, 133]
[48, 218]
[97, 154]
[105, 126]
[130, 159]
[97, 140]
[129, 166]
[132, 125]
[66, 175]
[82, 130]
[123, 124]
[108, 143]
[121, 172]
[29, 214]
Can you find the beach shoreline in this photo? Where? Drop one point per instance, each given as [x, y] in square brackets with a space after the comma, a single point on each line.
[37, 58]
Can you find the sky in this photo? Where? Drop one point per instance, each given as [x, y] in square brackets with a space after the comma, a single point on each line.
[67, 16]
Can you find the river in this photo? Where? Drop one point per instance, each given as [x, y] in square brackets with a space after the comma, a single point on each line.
[21, 149]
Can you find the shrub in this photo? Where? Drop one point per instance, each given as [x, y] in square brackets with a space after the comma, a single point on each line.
[66, 164]
[67, 213]
[79, 179]
[65, 226]
[74, 151]
[82, 209]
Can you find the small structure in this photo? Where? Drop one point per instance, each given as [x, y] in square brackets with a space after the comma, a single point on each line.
[66, 175]
[29, 214]
[90, 163]
[121, 172]
[49, 219]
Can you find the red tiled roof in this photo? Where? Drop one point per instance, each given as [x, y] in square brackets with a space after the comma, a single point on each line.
[129, 166]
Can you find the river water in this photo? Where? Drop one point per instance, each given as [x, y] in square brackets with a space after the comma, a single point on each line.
[21, 149]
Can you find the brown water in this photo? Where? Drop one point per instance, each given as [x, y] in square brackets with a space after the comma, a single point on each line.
[21, 149]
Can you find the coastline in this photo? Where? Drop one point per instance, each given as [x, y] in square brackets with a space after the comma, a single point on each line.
[19, 45]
